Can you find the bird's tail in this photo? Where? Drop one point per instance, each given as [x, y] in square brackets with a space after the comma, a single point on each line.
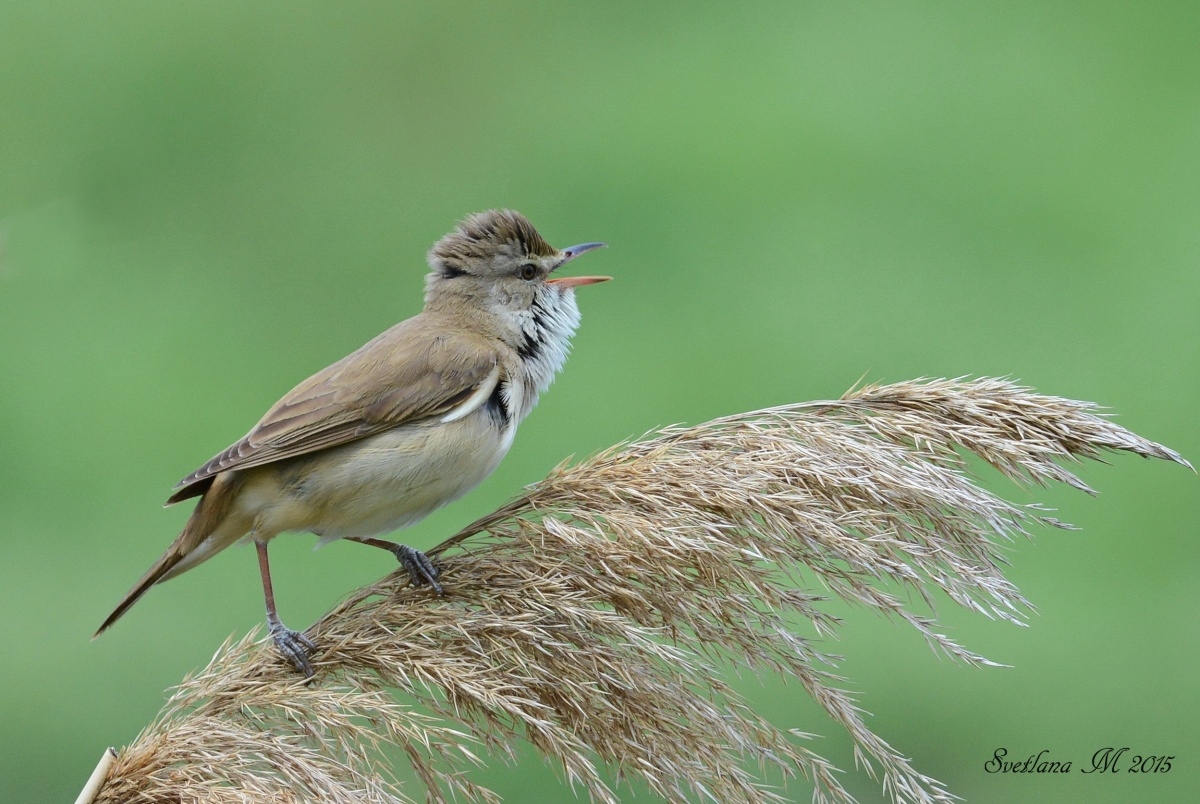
[152, 576]
[191, 547]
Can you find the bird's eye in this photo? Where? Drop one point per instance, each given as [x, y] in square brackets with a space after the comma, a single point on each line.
[527, 271]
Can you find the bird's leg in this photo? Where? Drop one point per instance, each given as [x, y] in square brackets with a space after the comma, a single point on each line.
[294, 645]
[417, 563]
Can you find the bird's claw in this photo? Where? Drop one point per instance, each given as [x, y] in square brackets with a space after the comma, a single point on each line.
[295, 647]
[419, 567]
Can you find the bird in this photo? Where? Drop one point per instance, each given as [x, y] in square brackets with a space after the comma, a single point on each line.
[412, 420]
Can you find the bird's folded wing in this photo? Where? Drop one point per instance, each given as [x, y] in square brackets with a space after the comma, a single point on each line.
[413, 371]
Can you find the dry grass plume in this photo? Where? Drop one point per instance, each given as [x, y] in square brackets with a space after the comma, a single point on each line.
[592, 615]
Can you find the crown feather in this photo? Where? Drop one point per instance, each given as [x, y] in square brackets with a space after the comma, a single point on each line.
[482, 235]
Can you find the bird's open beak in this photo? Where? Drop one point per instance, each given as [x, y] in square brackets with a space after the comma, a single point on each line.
[565, 282]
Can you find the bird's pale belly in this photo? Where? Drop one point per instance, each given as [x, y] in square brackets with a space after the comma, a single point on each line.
[380, 484]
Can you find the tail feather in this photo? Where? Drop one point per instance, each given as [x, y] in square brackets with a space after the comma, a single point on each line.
[189, 549]
[152, 576]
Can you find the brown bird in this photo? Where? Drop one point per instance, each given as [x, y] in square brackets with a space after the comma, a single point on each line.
[414, 419]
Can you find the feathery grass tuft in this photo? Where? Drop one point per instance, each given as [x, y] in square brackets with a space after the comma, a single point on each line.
[591, 615]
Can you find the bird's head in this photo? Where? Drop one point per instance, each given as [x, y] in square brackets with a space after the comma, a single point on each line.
[496, 260]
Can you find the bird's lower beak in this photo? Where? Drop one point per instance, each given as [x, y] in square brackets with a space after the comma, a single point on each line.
[565, 282]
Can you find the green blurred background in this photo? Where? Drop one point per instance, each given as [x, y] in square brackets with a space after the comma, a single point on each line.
[202, 203]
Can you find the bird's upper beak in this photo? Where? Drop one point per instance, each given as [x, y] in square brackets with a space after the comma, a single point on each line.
[564, 282]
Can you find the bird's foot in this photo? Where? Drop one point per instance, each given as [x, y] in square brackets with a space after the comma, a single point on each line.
[294, 646]
[419, 567]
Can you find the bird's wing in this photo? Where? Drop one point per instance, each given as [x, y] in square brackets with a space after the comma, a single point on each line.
[416, 370]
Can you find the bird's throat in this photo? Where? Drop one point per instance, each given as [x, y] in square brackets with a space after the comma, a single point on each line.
[544, 336]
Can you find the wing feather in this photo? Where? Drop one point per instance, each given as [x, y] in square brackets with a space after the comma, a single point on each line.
[419, 369]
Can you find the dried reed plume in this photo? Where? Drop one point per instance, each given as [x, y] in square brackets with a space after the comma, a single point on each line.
[591, 616]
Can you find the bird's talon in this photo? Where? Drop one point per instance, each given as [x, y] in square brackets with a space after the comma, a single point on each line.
[419, 567]
[294, 646]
